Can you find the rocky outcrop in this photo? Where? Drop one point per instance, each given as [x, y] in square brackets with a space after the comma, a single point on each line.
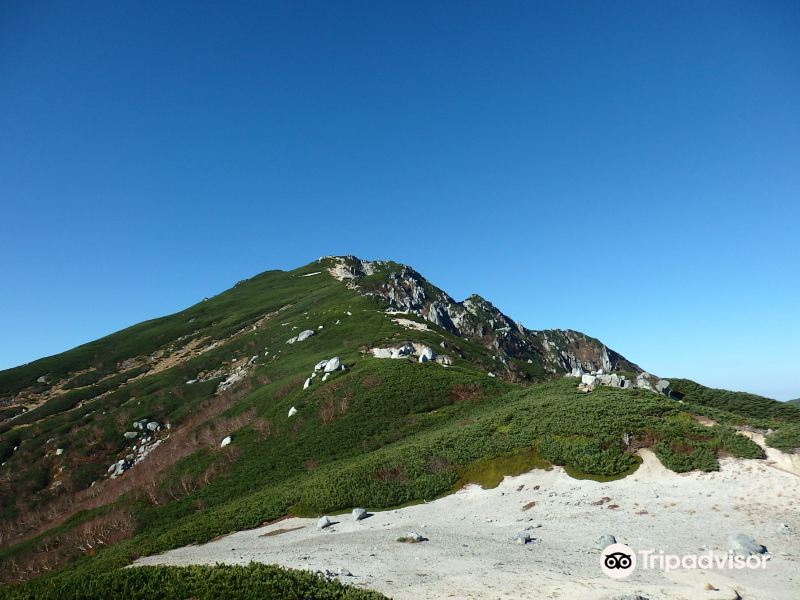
[238, 374]
[404, 290]
[412, 350]
[643, 381]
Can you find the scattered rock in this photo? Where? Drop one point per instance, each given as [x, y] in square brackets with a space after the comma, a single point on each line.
[304, 335]
[225, 441]
[490, 374]
[59, 451]
[359, 513]
[324, 522]
[320, 365]
[402, 351]
[129, 435]
[153, 426]
[344, 573]
[42, 379]
[412, 537]
[332, 364]
[307, 383]
[292, 411]
[119, 467]
[426, 354]
[523, 537]
[604, 540]
[745, 545]
[325, 377]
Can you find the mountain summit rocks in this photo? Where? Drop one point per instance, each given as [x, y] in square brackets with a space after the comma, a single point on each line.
[476, 320]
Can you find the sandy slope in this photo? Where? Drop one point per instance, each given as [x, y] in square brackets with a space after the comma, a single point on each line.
[470, 552]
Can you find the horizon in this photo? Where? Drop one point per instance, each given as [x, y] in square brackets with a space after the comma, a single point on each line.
[630, 171]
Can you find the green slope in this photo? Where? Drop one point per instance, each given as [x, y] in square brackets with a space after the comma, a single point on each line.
[379, 434]
[750, 406]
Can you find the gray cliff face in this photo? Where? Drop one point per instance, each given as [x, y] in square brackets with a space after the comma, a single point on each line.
[557, 351]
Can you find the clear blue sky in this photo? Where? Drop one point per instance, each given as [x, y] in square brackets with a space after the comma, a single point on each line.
[628, 169]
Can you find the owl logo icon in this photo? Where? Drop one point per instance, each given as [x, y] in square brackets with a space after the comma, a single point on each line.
[617, 561]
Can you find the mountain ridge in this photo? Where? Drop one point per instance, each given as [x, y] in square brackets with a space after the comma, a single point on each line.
[475, 317]
[341, 383]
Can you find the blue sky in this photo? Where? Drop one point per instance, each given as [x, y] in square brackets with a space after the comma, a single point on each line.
[627, 169]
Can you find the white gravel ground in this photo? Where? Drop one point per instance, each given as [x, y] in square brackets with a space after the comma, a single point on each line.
[470, 552]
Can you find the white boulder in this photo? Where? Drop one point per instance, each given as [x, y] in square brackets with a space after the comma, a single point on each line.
[402, 351]
[426, 354]
[744, 545]
[332, 364]
[324, 522]
[320, 365]
[604, 540]
[523, 537]
[227, 440]
[304, 335]
[292, 411]
[307, 383]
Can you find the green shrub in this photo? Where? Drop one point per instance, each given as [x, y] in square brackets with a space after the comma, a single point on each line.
[252, 582]
[786, 439]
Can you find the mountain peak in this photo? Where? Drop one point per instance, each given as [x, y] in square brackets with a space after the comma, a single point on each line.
[404, 289]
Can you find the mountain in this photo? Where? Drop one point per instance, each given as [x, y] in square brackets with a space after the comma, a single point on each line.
[342, 383]
[796, 401]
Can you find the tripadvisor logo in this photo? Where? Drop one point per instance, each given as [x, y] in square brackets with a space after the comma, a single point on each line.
[619, 561]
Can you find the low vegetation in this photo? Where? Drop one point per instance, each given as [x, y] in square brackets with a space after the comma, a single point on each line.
[786, 439]
[254, 581]
[380, 434]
